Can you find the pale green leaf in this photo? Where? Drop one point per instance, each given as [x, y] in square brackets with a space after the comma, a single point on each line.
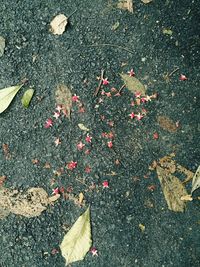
[77, 242]
[83, 127]
[26, 99]
[7, 95]
[167, 31]
[115, 26]
[133, 84]
[196, 180]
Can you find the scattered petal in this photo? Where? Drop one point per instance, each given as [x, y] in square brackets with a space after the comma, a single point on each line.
[131, 73]
[80, 145]
[155, 136]
[71, 165]
[137, 94]
[139, 116]
[75, 98]
[87, 169]
[59, 108]
[105, 81]
[132, 115]
[57, 141]
[88, 139]
[105, 184]
[55, 191]
[56, 115]
[110, 144]
[94, 251]
[108, 94]
[183, 77]
[151, 188]
[48, 123]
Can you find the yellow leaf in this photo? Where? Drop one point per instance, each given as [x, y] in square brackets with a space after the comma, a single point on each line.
[133, 84]
[77, 242]
[81, 197]
[142, 227]
[7, 95]
[58, 24]
[173, 190]
[167, 31]
[83, 127]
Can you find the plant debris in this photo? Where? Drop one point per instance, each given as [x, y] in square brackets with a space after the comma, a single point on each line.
[196, 180]
[58, 24]
[146, 1]
[133, 84]
[126, 5]
[2, 45]
[77, 242]
[167, 31]
[167, 124]
[26, 99]
[63, 98]
[29, 204]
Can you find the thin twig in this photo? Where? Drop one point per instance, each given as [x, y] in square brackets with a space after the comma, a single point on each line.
[100, 83]
[121, 88]
[171, 73]
[113, 45]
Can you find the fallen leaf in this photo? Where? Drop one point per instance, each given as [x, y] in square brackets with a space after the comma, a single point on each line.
[187, 198]
[29, 204]
[83, 127]
[58, 24]
[196, 180]
[77, 242]
[2, 45]
[7, 95]
[63, 97]
[167, 31]
[146, 1]
[6, 151]
[126, 5]
[173, 190]
[167, 124]
[133, 84]
[26, 99]
[115, 26]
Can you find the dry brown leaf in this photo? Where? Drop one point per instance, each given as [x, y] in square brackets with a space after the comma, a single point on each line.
[173, 190]
[63, 97]
[167, 124]
[126, 5]
[58, 24]
[196, 180]
[29, 204]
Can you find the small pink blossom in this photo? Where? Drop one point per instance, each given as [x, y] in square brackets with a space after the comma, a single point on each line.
[183, 77]
[75, 98]
[48, 123]
[105, 81]
[137, 94]
[111, 123]
[105, 184]
[88, 139]
[59, 108]
[132, 115]
[113, 89]
[55, 191]
[87, 169]
[57, 141]
[80, 145]
[87, 152]
[139, 116]
[103, 92]
[155, 136]
[94, 251]
[108, 94]
[56, 115]
[132, 103]
[54, 251]
[131, 73]
[71, 165]
[143, 99]
[110, 144]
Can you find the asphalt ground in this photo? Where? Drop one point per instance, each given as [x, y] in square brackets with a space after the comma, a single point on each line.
[169, 239]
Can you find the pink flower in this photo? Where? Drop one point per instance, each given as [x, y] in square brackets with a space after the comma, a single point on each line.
[183, 77]
[56, 115]
[131, 73]
[139, 116]
[87, 152]
[55, 191]
[108, 94]
[75, 98]
[105, 81]
[71, 165]
[155, 136]
[103, 92]
[132, 103]
[137, 94]
[132, 115]
[94, 251]
[59, 108]
[48, 123]
[88, 139]
[80, 146]
[57, 141]
[110, 144]
[105, 184]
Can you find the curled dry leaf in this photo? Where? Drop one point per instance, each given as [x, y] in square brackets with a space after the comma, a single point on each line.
[196, 180]
[173, 190]
[63, 97]
[83, 127]
[58, 24]
[29, 204]
[126, 5]
[133, 84]
[77, 242]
